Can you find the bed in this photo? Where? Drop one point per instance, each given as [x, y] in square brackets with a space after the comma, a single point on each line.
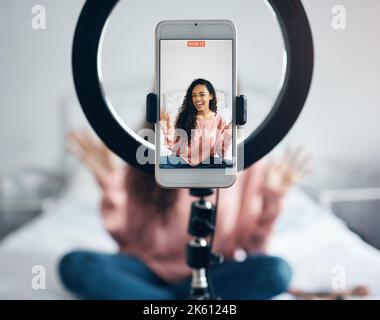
[319, 247]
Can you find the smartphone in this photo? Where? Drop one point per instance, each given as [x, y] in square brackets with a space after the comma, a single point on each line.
[196, 85]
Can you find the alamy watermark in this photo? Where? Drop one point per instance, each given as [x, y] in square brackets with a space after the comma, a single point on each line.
[39, 17]
[213, 143]
[39, 278]
[339, 20]
[338, 280]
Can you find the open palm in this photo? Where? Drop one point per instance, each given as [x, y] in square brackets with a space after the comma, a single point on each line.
[165, 120]
[93, 153]
[288, 170]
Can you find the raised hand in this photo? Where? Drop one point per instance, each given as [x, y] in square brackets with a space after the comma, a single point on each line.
[228, 130]
[284, 173]
[92, 152]
[165, 119]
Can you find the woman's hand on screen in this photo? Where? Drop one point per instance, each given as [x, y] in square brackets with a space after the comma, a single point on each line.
[165, 119]
[227, 131]
[286, 172]
[93, 153]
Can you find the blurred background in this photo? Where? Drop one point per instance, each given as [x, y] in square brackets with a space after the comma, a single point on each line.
[339, 125]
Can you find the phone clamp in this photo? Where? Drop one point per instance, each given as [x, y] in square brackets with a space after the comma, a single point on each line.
[152, 114]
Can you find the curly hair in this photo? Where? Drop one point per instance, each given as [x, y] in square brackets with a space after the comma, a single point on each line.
[186, 118]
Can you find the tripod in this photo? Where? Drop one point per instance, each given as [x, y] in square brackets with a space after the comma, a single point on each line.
[199, 255]
[202, 217]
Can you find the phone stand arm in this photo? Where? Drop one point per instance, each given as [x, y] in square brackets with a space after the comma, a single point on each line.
[198, 251]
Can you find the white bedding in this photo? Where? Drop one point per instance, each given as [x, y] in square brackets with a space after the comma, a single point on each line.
[314, 241]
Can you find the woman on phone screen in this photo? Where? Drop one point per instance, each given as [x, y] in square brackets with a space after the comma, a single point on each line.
[200, 136]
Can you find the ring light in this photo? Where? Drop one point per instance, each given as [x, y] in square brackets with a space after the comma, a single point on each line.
[121, 140]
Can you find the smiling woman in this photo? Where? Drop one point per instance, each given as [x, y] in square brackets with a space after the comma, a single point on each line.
[151, 261]
[204, 100]
[199, 134]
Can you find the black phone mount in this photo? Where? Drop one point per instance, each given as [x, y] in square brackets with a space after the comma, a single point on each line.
[202, 216]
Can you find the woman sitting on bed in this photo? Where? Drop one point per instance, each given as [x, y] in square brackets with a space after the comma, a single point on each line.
[150, 226]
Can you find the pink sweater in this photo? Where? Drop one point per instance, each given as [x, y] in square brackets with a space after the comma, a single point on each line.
[211, 137]
[246, 215]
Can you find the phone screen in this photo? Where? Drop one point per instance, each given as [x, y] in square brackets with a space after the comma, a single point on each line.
[195, 88]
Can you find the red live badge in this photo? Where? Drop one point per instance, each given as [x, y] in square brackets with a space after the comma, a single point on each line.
[196, 43]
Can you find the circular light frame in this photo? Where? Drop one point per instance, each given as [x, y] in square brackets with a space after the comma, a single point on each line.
[120, 139]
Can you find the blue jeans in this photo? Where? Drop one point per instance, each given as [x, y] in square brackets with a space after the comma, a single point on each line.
[91, 275]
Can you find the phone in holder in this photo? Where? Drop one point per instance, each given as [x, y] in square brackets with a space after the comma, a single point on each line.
[196, 89]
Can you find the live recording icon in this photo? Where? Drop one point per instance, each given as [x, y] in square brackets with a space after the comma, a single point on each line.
[196, 43]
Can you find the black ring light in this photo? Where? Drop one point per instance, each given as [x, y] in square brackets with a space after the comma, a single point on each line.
[300, 60]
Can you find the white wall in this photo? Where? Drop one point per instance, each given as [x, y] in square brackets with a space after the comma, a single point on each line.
[339, 124]
[35, 73]
[341, 120]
